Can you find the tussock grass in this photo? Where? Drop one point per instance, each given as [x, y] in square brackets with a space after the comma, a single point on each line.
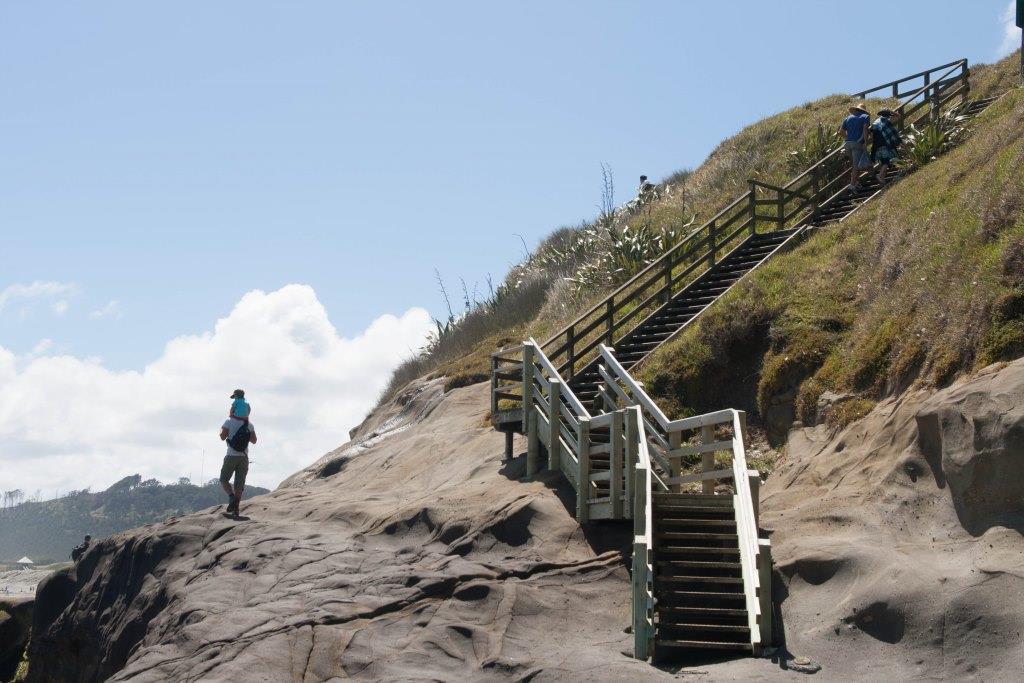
[921, 286]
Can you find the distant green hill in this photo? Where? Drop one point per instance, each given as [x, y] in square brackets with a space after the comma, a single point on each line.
[46, 531]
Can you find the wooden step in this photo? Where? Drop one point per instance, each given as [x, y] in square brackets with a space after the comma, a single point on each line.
[694, 522]
[702, 598]
[726, 582]
[693, 536]
[698, 499]
[703, 550]
[722, 613]
[701, 565]
[730, 628]
[706, 645]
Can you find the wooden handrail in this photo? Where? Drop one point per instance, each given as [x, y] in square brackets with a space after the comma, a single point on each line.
[573, 346]
[746, 530]
[643, 538]
[886, 86]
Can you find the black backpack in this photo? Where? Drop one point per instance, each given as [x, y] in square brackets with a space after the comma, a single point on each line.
[240, 440]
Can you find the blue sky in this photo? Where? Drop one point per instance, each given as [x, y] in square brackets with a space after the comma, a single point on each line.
[160, 160]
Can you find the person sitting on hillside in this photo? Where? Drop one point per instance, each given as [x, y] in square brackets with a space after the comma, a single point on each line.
[855, 127]
[238, 432]
[885, 143]
[79, 550]
[239, 406]
[645, 186]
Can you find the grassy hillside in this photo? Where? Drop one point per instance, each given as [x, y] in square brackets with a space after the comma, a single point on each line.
[923, 285]
[841, 313]
[576, 266]
[46, 531]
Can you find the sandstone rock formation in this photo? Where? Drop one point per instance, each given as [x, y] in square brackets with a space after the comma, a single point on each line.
[416, 553]
[15, 625]
[899, 540]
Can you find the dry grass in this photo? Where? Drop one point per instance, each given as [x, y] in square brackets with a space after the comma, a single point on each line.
[923, 285]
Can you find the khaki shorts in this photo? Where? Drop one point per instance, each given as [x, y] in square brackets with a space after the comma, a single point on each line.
[237, 465]
[858, 152]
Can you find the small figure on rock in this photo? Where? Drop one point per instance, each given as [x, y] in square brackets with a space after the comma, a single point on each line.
[79, 550]
[855, 127]
[238, 432]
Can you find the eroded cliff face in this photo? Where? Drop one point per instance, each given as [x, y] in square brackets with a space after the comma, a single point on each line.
[899, 542]
[415, 553]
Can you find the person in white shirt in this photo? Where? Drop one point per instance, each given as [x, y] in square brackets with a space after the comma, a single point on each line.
[236, 460]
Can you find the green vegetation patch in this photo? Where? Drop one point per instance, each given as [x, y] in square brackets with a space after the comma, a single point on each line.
[922, 285]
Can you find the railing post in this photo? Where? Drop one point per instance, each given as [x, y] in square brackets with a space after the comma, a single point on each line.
[529, 415]
[780, 209]
[707, 460]
[527, 382]
[895, 91]
[752, 208]
[754, 479]
[632, 443]
[570, 350]
[609, 326]
[675, 440]
[583, 478]
[555, 437]
[494, 387]
[712, 243]
[668, 276]
[815, 191]
[764, 596]
[966, 91]
[641, 639]
[615, 465]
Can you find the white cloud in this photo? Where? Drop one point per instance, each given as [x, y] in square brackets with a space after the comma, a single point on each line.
[37, 291]
[41, 348]
[69, 422]
[111, 310]
[1011, 34]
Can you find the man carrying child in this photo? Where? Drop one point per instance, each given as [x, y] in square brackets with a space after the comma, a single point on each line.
[238, 432]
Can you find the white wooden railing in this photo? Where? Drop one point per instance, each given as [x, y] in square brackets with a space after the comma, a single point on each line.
[643, 540]
[646, 454]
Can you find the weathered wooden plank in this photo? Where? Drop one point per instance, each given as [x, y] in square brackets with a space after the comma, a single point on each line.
[684, 451]
[699, 476]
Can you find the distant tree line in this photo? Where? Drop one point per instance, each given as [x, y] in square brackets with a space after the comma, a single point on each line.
[46, 531]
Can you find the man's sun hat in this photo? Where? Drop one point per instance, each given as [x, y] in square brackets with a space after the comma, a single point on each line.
[237, 393]
[857, 106]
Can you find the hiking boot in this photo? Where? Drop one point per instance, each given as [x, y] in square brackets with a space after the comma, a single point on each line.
[233, 505]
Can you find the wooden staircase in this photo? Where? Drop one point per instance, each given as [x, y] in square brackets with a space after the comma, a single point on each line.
[701, 573]
[671, 318]
[698, 583]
